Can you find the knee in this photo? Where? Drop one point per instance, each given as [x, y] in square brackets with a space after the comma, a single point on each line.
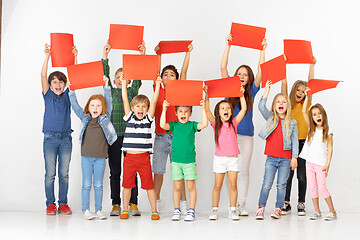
[98, 186]
[217, 187]
[86, 186]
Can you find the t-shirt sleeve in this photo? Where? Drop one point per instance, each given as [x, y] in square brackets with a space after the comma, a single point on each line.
[254, 90]
[331, 131]
[151, 119]
[235, 122]
[126, 118]
[171, 129]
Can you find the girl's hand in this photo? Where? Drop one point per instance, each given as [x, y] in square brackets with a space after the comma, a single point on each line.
[293, 163]
[326, 170]
[47, 50]
[190, 47]
[202, 104]
[205, 88]
[242, 89]
[106, 80]
[268, 85]
[106, 50]
[74, 51]
[156, 48]
[285, 58]
[314, 60]
[307, 89]
[264, 43]
[228, 39]
[166, 104]
[142, 48]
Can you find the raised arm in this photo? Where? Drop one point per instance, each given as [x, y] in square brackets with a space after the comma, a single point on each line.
[209, 114]
[330, 152]
[156, 49]
[163, 124]
[261, 61]
[225, 58]
[125, 95]
[155, 97]
[105, 62]
[44, 82]
[262, 103]
[204, 123]
[284, 83]
[242, 112]
[107, 95]
[185, 65]
[75, 52]
[311, 75]
[305, 107]
[142, 48]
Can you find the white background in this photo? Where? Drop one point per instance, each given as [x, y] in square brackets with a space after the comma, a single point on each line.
[331, 26]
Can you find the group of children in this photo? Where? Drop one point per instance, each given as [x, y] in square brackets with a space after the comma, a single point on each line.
[120, 122]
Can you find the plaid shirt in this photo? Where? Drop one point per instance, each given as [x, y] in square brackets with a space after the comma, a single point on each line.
[118, 111]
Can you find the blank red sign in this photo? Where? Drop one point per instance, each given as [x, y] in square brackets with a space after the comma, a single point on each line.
[317, 85]
[184, 92]
[247, 36]
[274, 70]
[127, 37]
[61, 49]
[298, 51]
[173, 46]
[140, 67]
[86, 75]
[224, 87]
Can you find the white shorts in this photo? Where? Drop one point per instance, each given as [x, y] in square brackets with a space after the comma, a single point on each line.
[225, 164]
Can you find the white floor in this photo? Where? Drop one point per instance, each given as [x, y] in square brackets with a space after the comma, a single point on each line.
[37, 225]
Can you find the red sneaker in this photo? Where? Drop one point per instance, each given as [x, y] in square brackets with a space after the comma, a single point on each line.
[276, 214]
[260, 213]
[64, 209]
[51, 210]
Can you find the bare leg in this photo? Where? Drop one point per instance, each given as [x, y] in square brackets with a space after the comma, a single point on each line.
[232, 177]
[177, 192]
[152, 199]
[158, 181]
[330, 205]
[219, 179]
[183, 194]
[126, 198]
[192, 193]
[316, 204]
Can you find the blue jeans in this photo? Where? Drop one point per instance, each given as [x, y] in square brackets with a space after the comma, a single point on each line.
[57, 150]
[92, 167]
[162, 149]
[282, 165]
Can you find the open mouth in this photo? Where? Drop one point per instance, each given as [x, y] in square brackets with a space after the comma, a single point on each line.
[95, 113]
[183, 118]
[140, 114]
[319, 120]
[281, 108]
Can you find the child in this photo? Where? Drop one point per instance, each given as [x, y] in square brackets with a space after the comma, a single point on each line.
[183, 164]
[297, 97]
[226, 154]
[57, 143]
[163, 139]
[96, 134]
[317, 151]
[245, 130]
[281, 148]
[138, 144]
[117, 115]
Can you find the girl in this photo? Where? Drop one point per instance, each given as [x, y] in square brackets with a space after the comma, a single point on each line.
[281, 148]
[245, 130]
[163, 140]
[96, 133]
[297, 97]
[227, 151]
[317, 151]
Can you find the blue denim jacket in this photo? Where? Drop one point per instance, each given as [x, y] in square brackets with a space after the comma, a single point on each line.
[104, 120]
[290, 142]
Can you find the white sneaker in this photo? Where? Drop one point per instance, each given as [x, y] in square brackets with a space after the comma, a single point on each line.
[315, 216]
[176, 215]
[214, 214]
[330, 217]
[183, 207]
[241, 210]
[233, 214]
[88, 215]
[190, 216]
[100, 215]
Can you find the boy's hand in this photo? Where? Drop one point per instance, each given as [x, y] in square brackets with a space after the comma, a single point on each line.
[190, 47]
[123, 81]
[156, 48]
[205, 88]
[228, 39]
[314, 60]
[166, 104]
[264, 43]
[106, 80]
[142, 48]
[202, 104]
[106, 50]
[74, 51]
[158, 80]
[47, 50]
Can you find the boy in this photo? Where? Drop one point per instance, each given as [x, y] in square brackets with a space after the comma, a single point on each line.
[57, 145]
[114, 151]
[138, 145]
[183, 164]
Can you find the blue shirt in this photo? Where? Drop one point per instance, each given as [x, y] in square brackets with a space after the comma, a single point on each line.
[57, 112]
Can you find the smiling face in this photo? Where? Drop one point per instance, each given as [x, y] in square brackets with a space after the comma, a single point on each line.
[244, 75]
[300, 93]
[225, 111]
[117, 80]
[95, 108]
[317, 117]
[183, 113]
[140, 109]
[57, 86]
[281, 105]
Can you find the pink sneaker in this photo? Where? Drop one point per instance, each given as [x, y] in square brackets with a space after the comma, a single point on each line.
[51, 210]
[277, 213]
[260, 213]
[64, 209]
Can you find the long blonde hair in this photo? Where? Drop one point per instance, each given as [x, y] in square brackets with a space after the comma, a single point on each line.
[325, 125]
[274, 117]
[294, 88]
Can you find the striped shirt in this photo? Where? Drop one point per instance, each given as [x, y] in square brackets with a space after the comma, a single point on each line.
[138, 133]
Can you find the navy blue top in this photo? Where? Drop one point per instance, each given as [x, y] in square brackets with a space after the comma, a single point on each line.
[57, 112]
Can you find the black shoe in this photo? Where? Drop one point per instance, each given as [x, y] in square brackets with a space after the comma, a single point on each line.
[286, 209]
[301, 209]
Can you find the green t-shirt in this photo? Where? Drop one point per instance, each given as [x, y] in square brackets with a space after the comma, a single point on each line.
[183, 142]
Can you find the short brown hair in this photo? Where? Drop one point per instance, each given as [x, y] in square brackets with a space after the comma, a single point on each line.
[140, 98]
[172, 68]
[59, 75]
[96, 97]
[176, 108]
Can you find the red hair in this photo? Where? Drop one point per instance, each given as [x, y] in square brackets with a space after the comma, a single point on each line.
[96, 97]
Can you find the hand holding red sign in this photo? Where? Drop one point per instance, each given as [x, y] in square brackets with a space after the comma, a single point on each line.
[247, 36]
[173, 47]
[128, 37]
[61, 49]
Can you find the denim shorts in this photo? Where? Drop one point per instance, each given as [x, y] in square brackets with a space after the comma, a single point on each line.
[162, 149]
[185, 171]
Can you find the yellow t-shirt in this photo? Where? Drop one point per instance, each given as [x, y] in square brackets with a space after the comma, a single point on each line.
[297, 114]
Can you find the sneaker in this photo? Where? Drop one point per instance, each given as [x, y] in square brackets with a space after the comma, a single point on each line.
[88, 215]
[241, 210]
[64, 209]
[276, 214]
[134, 211]
[51, 210]
[214, 214]
[260, 213]
[190, 215]
[301, 209]
[286, 209]
[330, 217]
[183, 207]
[115, 211]
[124, 215]
[176, 215]
[315, 216]
[100, 215]
[233, 214]
[155, 216]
